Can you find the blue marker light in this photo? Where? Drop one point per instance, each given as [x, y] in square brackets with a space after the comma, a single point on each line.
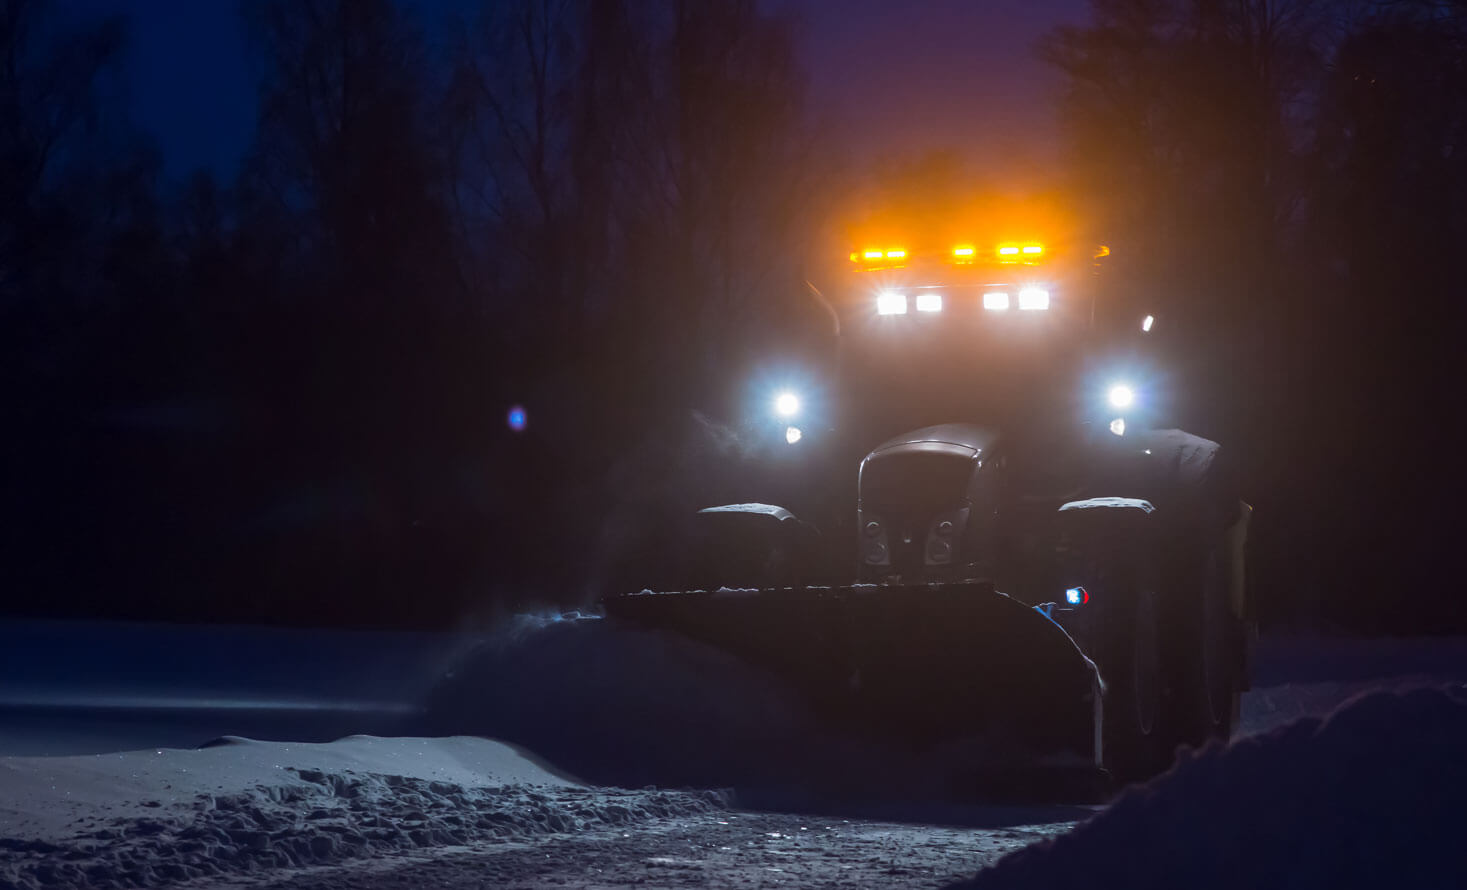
[517, 419]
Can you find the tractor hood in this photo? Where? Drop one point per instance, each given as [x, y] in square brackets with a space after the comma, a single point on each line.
[963, 440]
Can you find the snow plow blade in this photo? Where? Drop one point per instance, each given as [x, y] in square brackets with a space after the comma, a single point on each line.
[917, 665]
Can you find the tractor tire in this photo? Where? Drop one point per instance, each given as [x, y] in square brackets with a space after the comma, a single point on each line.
[1204, 661]
[1131, 655]
[1197, 492]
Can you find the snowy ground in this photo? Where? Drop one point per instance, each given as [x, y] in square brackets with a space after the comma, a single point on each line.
[403, 811]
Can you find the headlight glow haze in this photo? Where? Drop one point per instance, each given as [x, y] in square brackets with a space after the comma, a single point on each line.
[891, 303]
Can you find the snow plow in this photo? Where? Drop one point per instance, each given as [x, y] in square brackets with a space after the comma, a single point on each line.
[1025, 563]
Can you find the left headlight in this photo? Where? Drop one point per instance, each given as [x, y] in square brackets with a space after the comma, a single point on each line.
[891, 303]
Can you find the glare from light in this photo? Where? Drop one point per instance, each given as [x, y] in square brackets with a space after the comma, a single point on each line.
[891, 303]
[1033, 250]
[1121, 396]
[996, 301]
[787, 404]
[896, 254]
[1146, 323]
[1008, 251]
[962, 251]
[1033, 298]
[855, 256]
[1118, 426]
[792, 434]
[1077, 596]
[872, 254]
[929, 302]
[517, 419]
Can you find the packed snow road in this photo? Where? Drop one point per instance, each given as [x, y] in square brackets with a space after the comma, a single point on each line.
[593, 709]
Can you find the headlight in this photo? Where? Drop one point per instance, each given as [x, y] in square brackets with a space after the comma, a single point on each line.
[1121, 396]
[786, 404]
[929, 302]
[1146, 324]
[996, 300]
[1033, 298]
[891, 303]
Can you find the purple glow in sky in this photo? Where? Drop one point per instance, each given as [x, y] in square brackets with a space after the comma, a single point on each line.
[900, 78]
[886, 78]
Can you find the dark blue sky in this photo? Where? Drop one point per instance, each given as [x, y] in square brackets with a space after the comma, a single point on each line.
[889, 77]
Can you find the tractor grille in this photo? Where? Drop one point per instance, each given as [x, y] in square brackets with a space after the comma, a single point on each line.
[906, 491]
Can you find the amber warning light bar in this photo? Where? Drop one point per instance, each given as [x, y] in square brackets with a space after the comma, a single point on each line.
[871, 258]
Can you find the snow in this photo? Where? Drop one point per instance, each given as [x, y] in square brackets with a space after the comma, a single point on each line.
[1370, 796]
[1300, 677]
[1108, 504]
[614, 705]
[587, 715]
[140, 818]
[69, 687]
[626, 707]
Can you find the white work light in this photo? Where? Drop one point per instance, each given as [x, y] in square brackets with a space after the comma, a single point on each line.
[792, 434]
[929, 302]
[1121, 396]
[996, 301]
[786, 404]
[1146, 324]
[1033, 298]
[891, 303]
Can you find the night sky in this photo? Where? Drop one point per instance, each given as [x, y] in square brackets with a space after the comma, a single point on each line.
[958, 74]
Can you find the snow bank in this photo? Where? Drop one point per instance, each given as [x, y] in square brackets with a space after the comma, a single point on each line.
[619, 706]
[144, 818]
[1312, 676]
[1373, 795]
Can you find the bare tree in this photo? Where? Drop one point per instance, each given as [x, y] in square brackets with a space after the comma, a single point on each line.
[50, 117]
[344, 147]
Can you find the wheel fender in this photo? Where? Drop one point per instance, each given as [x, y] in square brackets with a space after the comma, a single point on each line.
[754, 543]
[1107, 517]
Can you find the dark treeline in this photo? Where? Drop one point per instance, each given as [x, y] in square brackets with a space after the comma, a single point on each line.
[1291, 175]
[282, 397]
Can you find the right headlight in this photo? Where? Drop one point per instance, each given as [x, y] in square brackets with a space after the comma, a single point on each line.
[1033, 298]
[1120, 396]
